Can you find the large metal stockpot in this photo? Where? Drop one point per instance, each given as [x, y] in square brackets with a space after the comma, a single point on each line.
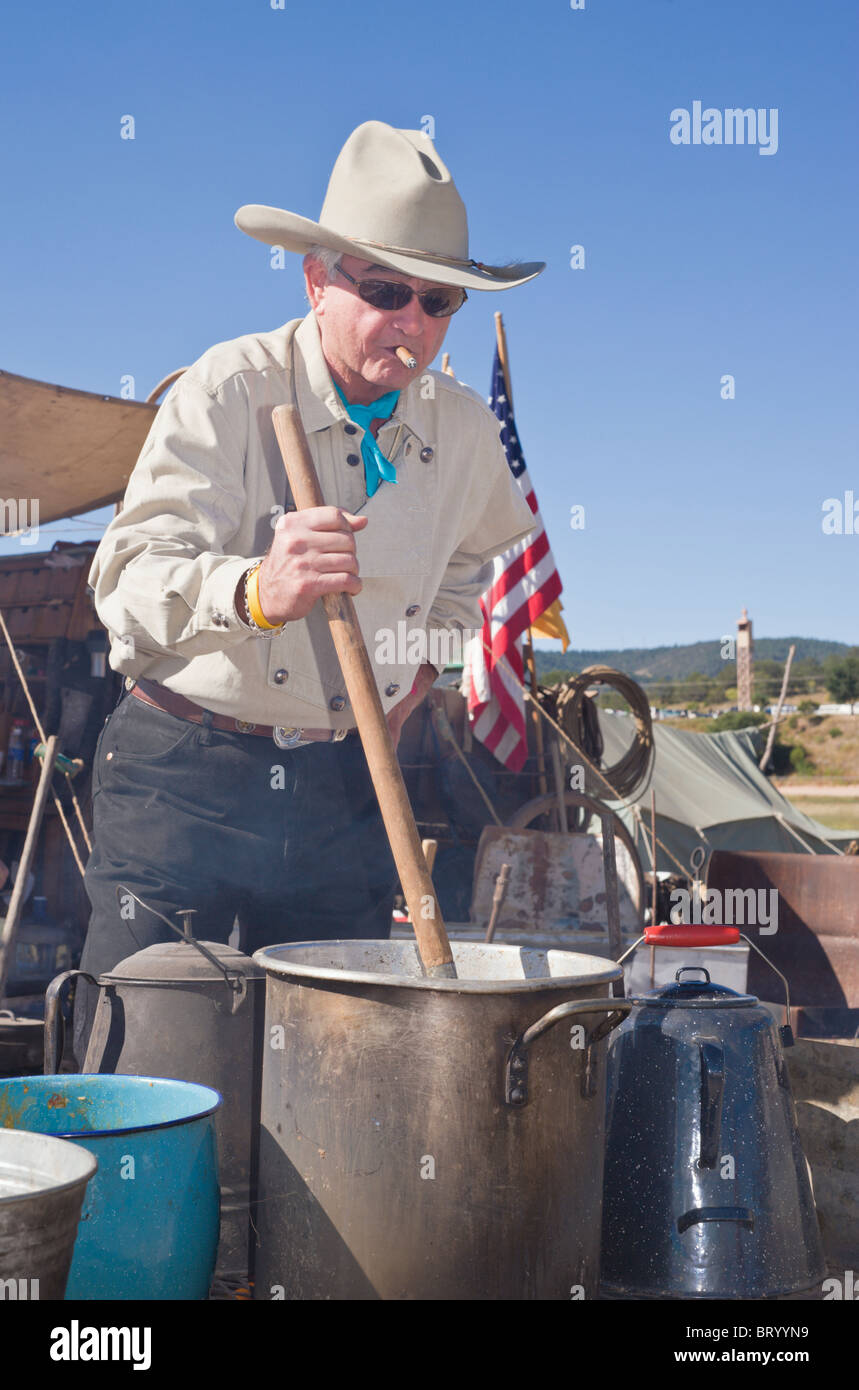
[429, 1138]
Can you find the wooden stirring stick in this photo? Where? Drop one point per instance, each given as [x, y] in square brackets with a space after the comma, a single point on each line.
[394, 804]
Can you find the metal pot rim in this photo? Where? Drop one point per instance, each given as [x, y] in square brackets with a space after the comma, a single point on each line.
[87, 1166]
[83, 1136]
[297, 971]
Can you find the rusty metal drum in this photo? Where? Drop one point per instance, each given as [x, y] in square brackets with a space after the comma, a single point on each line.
[431, 1138]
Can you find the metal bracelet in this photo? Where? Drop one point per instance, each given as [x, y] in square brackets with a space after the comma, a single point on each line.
[248, 618]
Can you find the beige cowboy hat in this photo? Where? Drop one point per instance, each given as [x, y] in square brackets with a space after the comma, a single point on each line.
[390, 200]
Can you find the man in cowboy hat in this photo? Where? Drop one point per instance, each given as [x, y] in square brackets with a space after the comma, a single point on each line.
[229, 778]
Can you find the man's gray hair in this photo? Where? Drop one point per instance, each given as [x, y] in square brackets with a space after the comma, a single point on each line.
[326, 258]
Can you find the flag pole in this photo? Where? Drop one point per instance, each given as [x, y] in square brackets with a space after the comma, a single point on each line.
[528, 645]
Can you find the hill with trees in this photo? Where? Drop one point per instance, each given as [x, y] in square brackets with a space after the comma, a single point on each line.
[702, 674]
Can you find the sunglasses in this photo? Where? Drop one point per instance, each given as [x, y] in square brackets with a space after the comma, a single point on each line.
[439, 303]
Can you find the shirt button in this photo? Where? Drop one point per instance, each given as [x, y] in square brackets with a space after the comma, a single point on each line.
[391, 689]
[412, 609]
[350, 428]
[426, 454]
[280, 676]
[337, 702]
[352, 460]
[219, 619]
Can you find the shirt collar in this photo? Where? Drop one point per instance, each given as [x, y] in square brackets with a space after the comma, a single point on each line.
[319, 405]
[318, 402]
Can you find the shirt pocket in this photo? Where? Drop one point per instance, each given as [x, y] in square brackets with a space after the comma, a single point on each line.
[398, 539]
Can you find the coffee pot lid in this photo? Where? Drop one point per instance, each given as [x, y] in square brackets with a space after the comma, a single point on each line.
[186, 959]
[183, 960]
[695, 994]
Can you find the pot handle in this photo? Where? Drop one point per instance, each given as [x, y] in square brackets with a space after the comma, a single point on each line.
[712, 1092]
[516, 1069]
[681, 934]
[684, 934]
[55, 1027]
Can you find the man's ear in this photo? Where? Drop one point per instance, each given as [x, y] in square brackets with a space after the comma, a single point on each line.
[315, 280]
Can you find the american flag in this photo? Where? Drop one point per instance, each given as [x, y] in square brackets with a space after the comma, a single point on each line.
[525, 584]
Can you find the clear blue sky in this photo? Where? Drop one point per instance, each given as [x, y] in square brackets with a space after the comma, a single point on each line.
[702, 260]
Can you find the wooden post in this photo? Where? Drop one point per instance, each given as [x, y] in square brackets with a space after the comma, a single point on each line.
[528, 653]
[774, 725]
[501, 339]
[560, 784]
[16, 902]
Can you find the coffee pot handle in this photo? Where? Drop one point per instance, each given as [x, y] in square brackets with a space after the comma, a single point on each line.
[712, 1091]
[55, 1025]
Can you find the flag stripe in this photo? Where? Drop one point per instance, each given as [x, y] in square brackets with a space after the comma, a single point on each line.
[525, 583]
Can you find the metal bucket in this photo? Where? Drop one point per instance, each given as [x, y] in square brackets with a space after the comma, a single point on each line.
[427, 1138]
[42, 1186]
[150, 1220]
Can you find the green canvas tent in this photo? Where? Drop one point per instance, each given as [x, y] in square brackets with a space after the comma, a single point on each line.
[710, 792]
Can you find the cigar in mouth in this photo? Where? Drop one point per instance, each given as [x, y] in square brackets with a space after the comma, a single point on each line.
[406, 358]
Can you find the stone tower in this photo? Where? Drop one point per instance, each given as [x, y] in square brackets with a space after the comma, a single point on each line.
[744, 662]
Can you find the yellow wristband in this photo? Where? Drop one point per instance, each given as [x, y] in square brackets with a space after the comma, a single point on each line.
[254, 606]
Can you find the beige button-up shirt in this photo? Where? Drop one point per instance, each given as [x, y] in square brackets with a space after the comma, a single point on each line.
[209, 486]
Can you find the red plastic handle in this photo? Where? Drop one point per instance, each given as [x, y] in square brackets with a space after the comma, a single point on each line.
[683, 934]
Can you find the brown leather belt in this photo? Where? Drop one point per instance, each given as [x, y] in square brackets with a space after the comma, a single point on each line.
[151, 693]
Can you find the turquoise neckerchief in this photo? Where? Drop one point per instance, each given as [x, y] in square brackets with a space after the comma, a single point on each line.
[376, 467]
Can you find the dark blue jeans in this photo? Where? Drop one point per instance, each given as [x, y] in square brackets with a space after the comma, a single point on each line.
[290, 842]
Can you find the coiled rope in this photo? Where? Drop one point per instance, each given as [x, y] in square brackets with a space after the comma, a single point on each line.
[633, 769]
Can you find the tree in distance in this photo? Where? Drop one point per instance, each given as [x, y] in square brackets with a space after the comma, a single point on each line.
[842, 678]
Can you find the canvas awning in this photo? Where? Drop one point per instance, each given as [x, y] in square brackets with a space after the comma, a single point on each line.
[73, 450]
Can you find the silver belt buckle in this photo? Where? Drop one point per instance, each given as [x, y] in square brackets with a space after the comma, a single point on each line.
[286, 737]
[338, 735]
